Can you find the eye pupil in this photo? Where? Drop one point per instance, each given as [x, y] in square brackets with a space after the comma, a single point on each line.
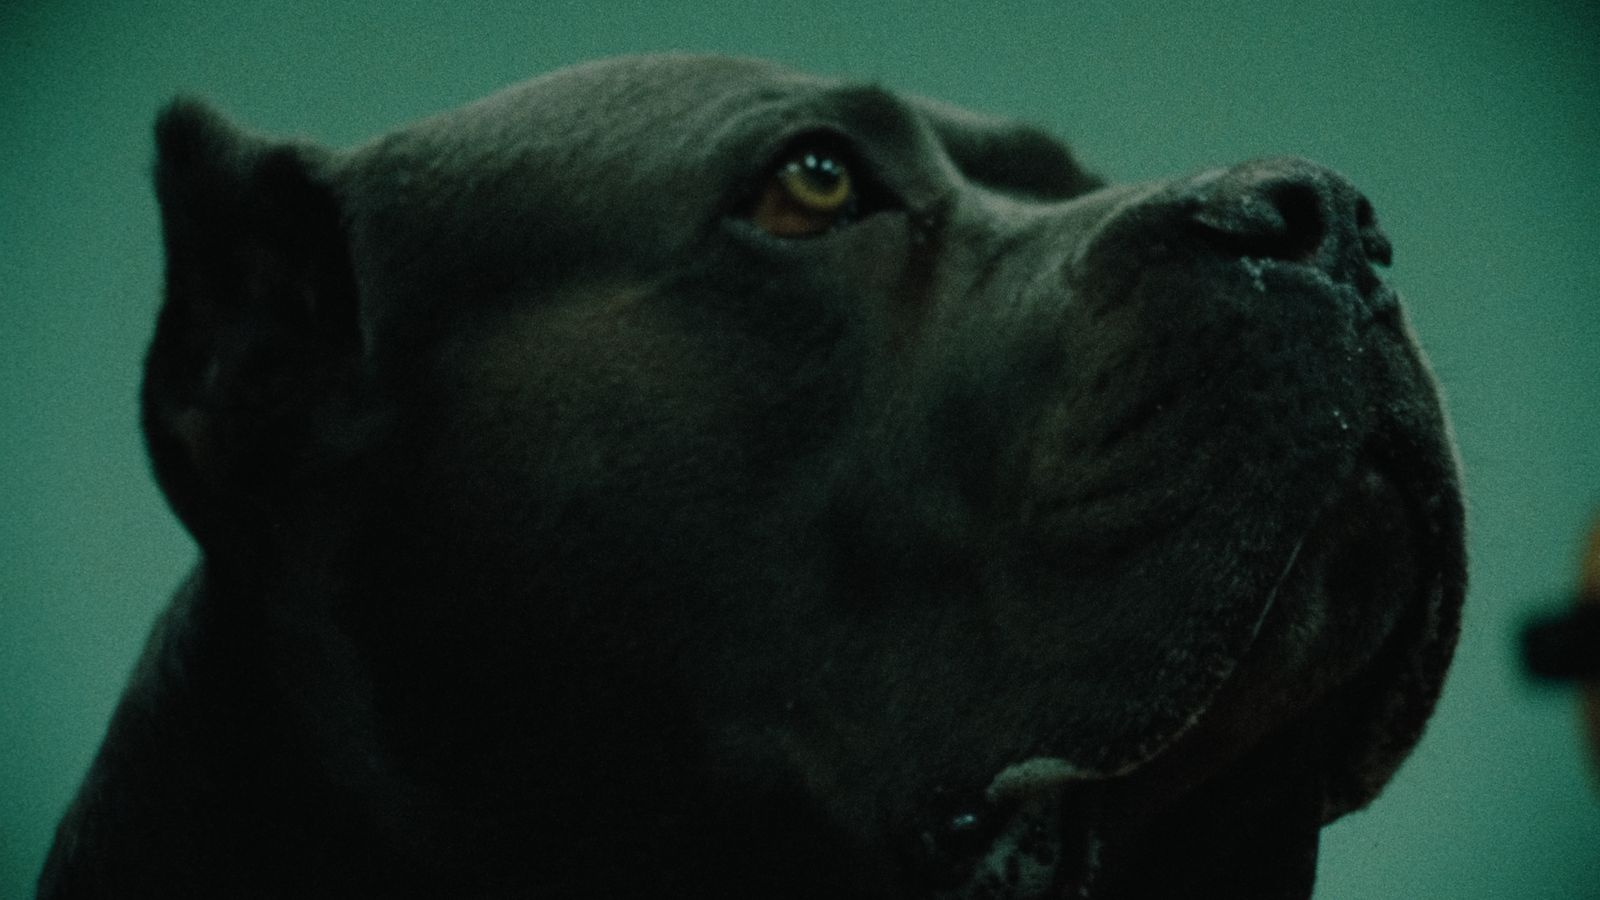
[818, 183]
[823, 172]
[809, 193]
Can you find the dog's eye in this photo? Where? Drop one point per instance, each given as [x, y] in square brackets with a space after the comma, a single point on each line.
[811, 192]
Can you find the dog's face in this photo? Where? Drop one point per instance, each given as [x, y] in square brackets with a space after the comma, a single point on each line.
[695, 478]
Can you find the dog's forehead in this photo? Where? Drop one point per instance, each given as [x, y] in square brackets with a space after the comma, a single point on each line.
[635, 91]
[577, 158]
[633, 107]
[637, 115]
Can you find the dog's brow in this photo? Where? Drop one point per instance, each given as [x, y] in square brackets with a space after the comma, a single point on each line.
[873, 112]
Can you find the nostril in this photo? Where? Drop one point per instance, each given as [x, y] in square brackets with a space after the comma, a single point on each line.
[1301, 207]
[1279, 219]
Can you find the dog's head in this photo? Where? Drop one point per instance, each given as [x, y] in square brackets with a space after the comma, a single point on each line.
[689, 475]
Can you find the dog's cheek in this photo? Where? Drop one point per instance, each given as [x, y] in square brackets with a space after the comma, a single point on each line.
[624, 418]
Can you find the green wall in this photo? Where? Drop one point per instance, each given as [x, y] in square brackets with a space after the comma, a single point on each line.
[1473, 127]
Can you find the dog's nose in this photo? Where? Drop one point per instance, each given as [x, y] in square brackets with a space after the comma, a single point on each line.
[1292, 210]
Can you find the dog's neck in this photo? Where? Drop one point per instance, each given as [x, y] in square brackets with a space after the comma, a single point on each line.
[213, 766]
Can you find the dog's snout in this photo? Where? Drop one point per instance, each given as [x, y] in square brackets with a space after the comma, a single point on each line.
[1290, 210]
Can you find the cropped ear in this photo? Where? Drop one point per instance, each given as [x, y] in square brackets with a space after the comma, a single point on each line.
[259, 339]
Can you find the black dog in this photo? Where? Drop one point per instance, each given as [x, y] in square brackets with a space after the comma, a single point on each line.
[681, 477]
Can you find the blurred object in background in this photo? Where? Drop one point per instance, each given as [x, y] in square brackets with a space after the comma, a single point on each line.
[1566, 645]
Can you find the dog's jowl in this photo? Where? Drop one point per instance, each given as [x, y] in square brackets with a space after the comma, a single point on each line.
[682, 477]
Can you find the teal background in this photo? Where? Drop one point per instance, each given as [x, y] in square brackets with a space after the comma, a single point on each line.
[1472, 126]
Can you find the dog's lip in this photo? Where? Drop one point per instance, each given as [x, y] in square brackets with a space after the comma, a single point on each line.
[1053, 805]
[1061, 858]
[1019, 859]
[1421, 623]
[1031, 835]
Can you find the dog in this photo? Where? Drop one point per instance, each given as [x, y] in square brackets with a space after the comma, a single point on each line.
[683, 476]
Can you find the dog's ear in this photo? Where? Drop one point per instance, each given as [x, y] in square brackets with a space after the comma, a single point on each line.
[259, 340]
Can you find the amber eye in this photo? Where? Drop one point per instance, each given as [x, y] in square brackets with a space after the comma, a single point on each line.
[810, 193]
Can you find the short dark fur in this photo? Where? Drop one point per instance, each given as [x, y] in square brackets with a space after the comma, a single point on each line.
[564, 535]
